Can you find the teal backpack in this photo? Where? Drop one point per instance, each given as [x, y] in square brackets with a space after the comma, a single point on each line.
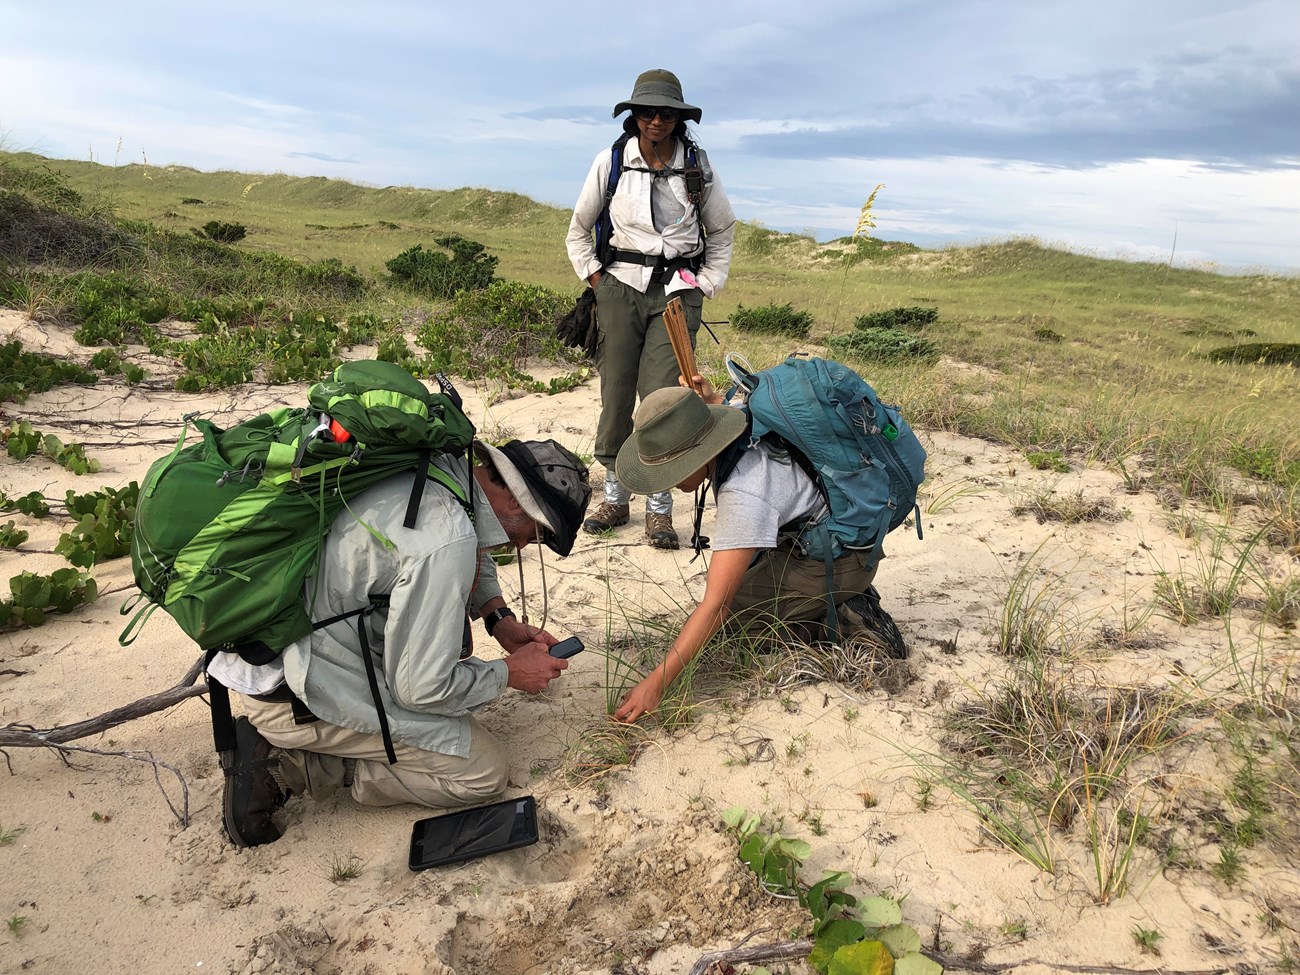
[864, 458]
[229, 528]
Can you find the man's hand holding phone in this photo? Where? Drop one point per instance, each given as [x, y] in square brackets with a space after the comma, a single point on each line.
[531, 668]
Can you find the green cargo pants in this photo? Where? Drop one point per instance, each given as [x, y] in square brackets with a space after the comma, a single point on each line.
[634, 355]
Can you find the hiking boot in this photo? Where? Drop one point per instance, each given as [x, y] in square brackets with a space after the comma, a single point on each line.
[251, 794]
[863, 618]
[659, 529]
[605, 518]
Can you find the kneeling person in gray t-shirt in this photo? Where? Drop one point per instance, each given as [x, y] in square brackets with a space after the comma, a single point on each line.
[757, 578]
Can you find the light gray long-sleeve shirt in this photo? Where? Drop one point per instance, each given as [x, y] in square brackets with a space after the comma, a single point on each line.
[432, 575]
[634, 226]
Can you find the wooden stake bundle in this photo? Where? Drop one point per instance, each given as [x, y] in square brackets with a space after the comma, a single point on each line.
[680, 336]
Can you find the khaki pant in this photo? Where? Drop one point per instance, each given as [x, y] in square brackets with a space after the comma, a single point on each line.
[635, 356]
[783, 588]
[318, 755]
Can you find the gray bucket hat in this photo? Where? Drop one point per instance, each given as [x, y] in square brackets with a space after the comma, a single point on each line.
[659, 88]
[550, 483]
[675, 434]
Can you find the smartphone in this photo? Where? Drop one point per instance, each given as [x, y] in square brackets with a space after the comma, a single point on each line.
[567, 648]
[470, 833]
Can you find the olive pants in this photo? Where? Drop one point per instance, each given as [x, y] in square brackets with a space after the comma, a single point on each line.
[784, 588]
[634, 355]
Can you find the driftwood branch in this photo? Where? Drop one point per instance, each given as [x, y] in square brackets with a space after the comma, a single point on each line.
[26, 736]
[715, 961]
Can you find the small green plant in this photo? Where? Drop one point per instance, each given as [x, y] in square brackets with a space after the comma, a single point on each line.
[23, 373]
[345, 867]
[1016, 930]
[33, 597]
[772, 320]
[16, 923]
[850, 937]
[100, 817]
[1048, 460]
[22, 441]
[33, 504]
[12, 536]
[104, 529]
[1148, 939]
[1231, 865]
[8, 836]
[1258, 353]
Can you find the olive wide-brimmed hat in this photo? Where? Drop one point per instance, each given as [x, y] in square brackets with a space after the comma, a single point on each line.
[675, 434]
[658, 88]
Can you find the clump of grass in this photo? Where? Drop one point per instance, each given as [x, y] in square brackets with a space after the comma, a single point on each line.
[1035, 616]
[345, 867]
[1070, 508]
[10, 835]
[772, 320]
[601, 751]
[1040, 752]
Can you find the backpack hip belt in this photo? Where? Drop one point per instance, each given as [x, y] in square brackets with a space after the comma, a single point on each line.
[663, 269]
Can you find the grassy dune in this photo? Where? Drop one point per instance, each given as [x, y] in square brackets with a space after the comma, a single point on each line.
[1042, 348]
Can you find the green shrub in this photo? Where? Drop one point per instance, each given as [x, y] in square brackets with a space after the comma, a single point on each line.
[914, 317]
[883, 345]
[224, 233]
[1045, 334]
[772, 320]
[1263, 353]
[192, 201]
[1265, 463]
[440, 275]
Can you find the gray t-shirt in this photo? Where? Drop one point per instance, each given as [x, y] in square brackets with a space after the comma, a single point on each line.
[765, 491]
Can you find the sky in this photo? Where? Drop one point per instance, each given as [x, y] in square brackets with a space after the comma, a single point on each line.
[1150, 129]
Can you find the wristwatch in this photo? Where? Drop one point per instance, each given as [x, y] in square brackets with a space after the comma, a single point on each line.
[490, 620]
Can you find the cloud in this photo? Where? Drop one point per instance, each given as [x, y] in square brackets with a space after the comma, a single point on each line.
[1229, 109]
[320, 156]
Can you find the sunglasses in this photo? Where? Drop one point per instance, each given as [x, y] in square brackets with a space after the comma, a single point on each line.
[646, 113]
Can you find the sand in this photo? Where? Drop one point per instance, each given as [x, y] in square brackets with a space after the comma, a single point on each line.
[633, 872]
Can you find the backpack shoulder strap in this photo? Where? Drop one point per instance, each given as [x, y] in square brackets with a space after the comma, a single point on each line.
[605, 226]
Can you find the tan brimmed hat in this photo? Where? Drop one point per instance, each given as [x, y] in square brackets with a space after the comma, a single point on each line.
[658, 88]
[675, 434]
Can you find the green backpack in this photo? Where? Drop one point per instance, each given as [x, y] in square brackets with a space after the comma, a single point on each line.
[229, 529]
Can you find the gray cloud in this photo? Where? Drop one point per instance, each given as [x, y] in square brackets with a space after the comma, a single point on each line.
[1227, 109]
[320, 156]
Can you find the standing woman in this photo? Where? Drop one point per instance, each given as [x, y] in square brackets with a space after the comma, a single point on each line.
[669, 234]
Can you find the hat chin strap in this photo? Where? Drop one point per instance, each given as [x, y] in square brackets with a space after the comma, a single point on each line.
[523, 595]
[699, 542]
